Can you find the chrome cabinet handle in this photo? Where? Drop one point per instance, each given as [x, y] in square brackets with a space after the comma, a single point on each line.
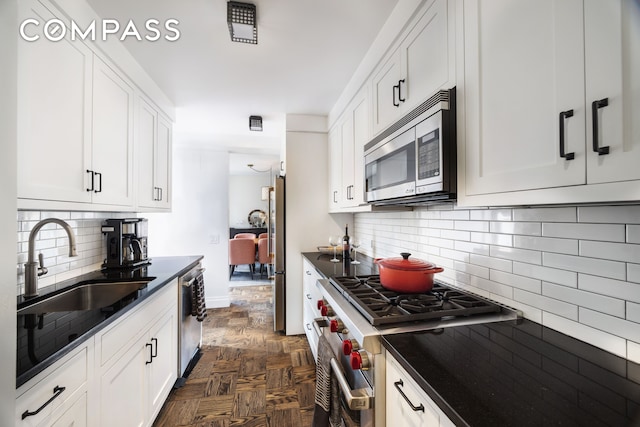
[398, 384]
[57, 391]
[564, 115]
[358, 399]
[595, 106]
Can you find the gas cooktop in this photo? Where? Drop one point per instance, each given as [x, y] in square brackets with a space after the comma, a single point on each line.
[381, 306]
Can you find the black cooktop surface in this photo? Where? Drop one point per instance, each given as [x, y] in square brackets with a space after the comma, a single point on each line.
[383, 307]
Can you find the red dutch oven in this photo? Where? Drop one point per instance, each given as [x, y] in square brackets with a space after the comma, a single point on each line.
[406, 275]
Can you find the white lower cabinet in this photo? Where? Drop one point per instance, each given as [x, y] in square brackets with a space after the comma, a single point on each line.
[119, 377]
[311, 295]
[58, 395]
[75, 415]
[406, 403]
[136, 378]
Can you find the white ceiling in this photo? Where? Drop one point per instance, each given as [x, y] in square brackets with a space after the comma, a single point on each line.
[306, 53]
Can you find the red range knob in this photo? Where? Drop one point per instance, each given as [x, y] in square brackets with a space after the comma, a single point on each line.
[359, 360]
[348, 346]
[325, 310]
[356, 360]
[320, 304]
[336, 325]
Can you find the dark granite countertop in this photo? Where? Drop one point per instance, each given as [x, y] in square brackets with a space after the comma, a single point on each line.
[514, 373]
[519, 373]
[53, 335]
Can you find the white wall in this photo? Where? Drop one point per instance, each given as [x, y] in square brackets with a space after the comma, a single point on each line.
[8, 207]
[308, 225]
[245, 195]
[199, 221]
[573, 269]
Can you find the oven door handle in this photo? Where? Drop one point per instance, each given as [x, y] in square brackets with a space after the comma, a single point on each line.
[358, 399]
[316, 326]
[188, 283]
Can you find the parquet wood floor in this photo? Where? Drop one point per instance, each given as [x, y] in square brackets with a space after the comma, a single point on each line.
[248, 375]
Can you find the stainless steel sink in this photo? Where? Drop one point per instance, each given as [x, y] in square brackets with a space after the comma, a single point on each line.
[87, 296]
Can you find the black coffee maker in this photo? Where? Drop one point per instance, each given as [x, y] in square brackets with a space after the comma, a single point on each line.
[126, 242]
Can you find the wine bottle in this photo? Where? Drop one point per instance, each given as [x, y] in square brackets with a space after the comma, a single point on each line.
[345, 243]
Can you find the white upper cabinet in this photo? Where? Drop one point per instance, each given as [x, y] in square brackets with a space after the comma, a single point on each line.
[77, 125]
[540, 79]
[522, 69]
[346, 153]
[54, 115]
[361, 134]
[154, 158]
[112, 159]
[423, 63]
[335, 171]
[612, 72]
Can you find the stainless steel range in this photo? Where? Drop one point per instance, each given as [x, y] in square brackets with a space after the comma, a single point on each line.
[356, 311]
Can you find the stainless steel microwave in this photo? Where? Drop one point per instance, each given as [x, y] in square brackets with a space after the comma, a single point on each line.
[414, 160]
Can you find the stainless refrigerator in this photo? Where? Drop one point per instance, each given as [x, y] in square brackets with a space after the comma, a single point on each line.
[277, 250]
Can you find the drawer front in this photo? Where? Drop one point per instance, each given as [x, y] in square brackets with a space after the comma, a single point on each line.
[309, 330]
[58, 385]
[133, 325]
[310, 278]
[399, 406]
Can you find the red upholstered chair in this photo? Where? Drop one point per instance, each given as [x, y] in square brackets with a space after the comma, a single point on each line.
[242, 251]
[263, 235]
[245, 236]
[263, 255]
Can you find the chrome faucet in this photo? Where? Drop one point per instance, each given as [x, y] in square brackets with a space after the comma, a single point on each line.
[32, 269]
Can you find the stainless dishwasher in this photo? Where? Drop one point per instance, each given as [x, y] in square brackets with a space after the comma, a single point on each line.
[189, 328]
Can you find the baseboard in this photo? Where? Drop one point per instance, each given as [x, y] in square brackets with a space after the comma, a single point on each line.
[217, 302]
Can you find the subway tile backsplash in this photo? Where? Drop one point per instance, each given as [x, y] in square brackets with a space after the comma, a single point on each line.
[53, 243]
[573, 269]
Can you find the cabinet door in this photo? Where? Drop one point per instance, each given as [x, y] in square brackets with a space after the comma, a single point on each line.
[361, 135]
[348, 156]
[163, 366]
[386, 104]
[146, 123]
[426, 56]
[612, 70]
[124, 389]
[335, 171]
[162, 162]
[398, 409]
[154, 162]
[75, 416]
[523, 66]
[54, 114]
[112, 160]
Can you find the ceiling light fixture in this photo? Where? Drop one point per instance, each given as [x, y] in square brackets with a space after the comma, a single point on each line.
[250, 166]
[255, 123]
[241, 18]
